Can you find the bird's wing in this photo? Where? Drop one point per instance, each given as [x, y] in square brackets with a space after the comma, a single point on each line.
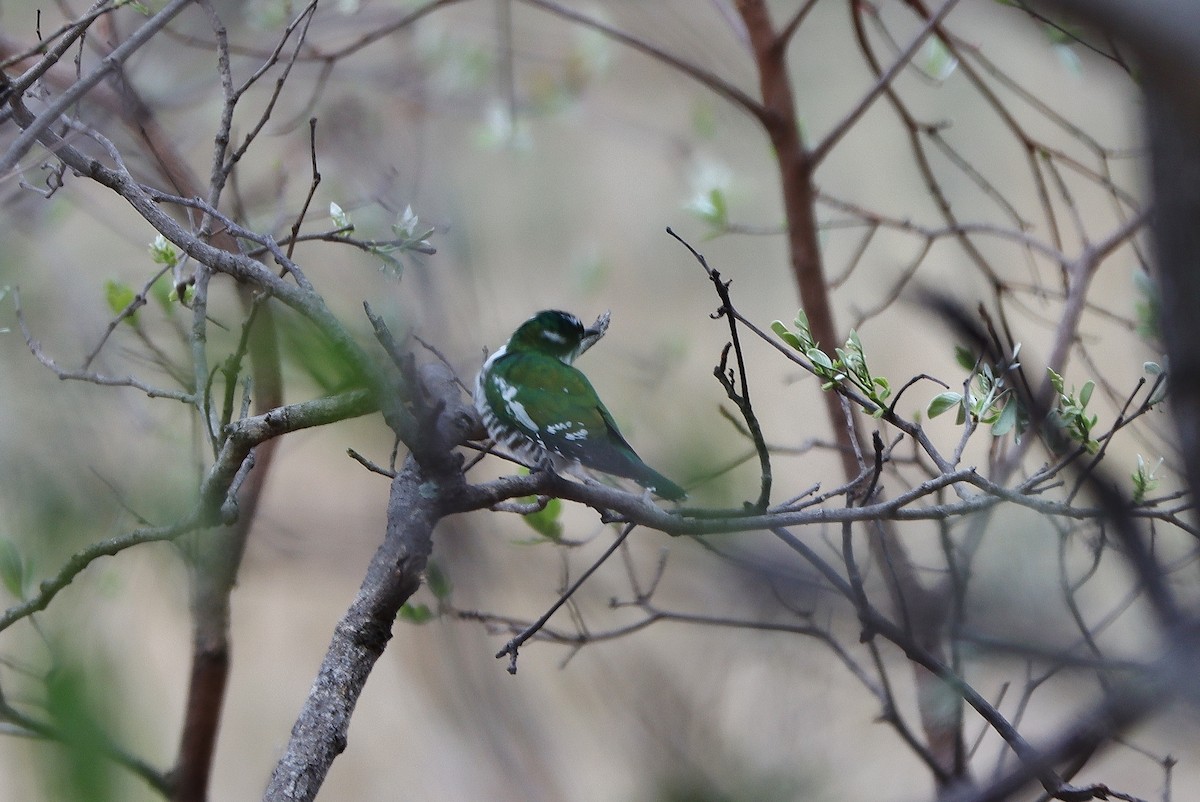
[557, 406]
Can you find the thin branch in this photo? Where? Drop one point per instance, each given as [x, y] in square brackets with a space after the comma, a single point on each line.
[89, 376]
[511, 648]
[36, 128]
[739, 397]
[822, 149]
[713, 82]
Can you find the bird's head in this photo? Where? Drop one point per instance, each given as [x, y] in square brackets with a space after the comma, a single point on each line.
[557, 334]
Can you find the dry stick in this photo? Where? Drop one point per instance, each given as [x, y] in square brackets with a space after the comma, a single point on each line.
[245, 435]
[741, 397]
[89, 376]
[67, 34]
[914, 130]
[876, 623]
[528, 632]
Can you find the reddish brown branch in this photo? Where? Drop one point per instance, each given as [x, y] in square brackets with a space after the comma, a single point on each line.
[918, 606]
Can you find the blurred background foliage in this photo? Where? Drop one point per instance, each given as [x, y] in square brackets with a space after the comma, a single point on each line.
[548, 160]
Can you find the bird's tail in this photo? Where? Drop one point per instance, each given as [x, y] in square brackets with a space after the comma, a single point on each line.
[659, 485]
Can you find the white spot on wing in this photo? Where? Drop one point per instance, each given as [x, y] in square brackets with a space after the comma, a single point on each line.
[572, 430]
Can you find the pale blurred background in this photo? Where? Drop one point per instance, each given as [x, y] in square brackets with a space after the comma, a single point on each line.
[567, 209]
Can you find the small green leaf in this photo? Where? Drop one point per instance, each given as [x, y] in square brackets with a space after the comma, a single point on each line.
[936, 60]
[716, 197]
[415, 613]
[711, 207]
[1006, 420]
[715, 209]
[965, 359]
[161, 291]
[820, 360]
[943, 402]
[1144, 480]
[119, 296]
[546, 521]
[163, 252]
[786, 335]
[1085, 394]
[339, 217]
[436, 579]
[12, 568]
[1055, 380]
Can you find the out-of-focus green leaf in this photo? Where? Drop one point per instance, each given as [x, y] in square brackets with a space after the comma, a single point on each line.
[12, 568]
[162, 291]
[936, 60]
[704, 119]
[1147, 307]
[437, 581]
[82, 770]
[547, 521]
[418, 613]
[316, 356]
[119, 296]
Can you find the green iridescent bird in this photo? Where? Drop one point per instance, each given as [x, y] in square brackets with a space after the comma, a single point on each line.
[545, 411]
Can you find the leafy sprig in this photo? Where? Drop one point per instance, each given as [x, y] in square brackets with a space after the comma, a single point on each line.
[989, 398]
[1144, 479]
[1070, 414]
[992, 401]
[847, 366]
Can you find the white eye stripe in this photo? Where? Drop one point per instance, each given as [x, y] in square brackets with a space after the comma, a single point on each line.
[553, 336]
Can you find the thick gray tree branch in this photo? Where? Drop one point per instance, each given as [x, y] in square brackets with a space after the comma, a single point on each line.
[419, 498]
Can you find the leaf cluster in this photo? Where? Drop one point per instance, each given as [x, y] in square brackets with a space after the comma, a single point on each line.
[988, 398]
[849, 365]
[991, 399]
